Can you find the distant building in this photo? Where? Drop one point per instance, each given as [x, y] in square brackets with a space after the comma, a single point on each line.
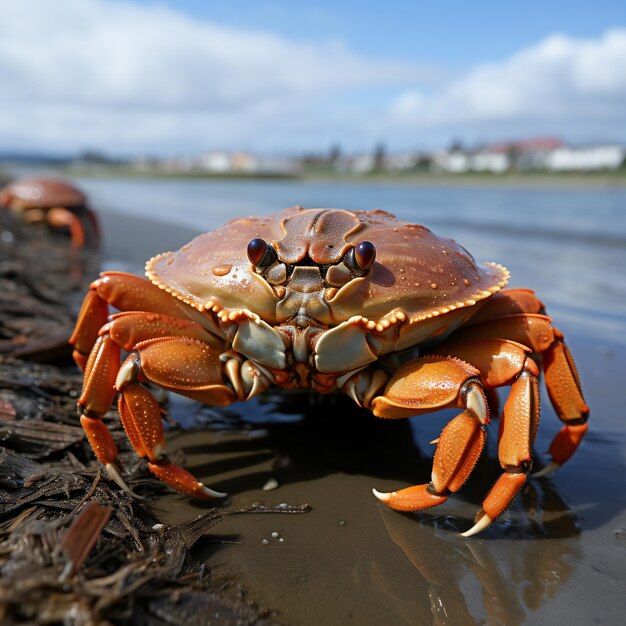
[592, 158]
[476, 161]
[223, 162]
[215, 162]
[527, 154]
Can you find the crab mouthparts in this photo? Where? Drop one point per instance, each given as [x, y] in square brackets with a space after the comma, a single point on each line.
[302, 319]
[304, 301]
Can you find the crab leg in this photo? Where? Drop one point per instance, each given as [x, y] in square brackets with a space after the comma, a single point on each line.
[428, 384]
[59, 217]
[564, 389]
[517, 429]
[509, 302]
[185, 365]
[140, 414]
[97, 396]
[562, 380]
[132, 327]
[503, 362]
[123, 291]
[141, 417]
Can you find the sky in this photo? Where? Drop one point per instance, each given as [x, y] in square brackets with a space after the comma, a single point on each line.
[131, 77]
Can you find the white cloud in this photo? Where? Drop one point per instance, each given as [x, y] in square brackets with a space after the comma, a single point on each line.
[92, 71]
[557, 84]
[124, 77]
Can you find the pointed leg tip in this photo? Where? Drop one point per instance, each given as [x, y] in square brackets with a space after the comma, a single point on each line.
[383, 497]
[211, 493]
[118, 479]
[483, 523]
[547, 470]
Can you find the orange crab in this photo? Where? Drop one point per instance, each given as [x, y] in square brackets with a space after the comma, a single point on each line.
[403, 321]
[56, 203]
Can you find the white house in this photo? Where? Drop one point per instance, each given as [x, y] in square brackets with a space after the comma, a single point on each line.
[590, 158]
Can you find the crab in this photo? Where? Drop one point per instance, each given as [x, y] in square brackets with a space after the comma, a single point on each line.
[403, 321]
[56, 203]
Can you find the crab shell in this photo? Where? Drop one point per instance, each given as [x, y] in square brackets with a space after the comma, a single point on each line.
[42, 193]
[419, 290]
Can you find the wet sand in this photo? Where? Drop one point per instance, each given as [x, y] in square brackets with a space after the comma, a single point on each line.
[558, 555]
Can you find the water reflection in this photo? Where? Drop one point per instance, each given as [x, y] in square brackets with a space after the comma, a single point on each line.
[425, 572]
[513, 578]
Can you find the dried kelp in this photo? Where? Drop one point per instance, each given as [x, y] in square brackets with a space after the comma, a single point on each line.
[41, 280]
[74, 549]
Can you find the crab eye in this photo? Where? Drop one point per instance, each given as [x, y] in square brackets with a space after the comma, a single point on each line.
[360, 258]
[365, 254]
[261, 254]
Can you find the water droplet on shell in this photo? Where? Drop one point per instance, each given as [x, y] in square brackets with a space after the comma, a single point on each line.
[222, 270]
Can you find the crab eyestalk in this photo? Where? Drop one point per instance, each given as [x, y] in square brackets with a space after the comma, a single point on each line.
[261, 254]
[360, 258]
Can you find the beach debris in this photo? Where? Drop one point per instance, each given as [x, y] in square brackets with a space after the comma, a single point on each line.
[38, 303]
[83, 535]
[258, 507]
[271, 484]
[73, 544]
[75, 549]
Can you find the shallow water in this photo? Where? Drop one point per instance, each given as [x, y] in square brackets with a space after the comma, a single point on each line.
[557, 555]
[569, 244]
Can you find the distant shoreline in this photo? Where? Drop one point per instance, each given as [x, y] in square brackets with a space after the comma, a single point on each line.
[616, 179]
[538, 179]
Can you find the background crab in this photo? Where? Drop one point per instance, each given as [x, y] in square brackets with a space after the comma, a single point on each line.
[403, 321]
[56, 203]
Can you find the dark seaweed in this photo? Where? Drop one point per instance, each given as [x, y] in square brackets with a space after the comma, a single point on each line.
[74, 549]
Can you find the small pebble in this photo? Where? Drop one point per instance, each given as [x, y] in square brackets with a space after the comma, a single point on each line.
[281, 539]
[342, 522]
[275, 534]
[265, 541]
[271, 484]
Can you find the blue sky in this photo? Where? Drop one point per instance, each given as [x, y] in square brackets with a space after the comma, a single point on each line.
[453, 34]
[138, 76]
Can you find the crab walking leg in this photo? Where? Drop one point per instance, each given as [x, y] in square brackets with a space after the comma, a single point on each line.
[428, 384]
[133, 327]
[97, 396]
[59, 217]
[517, 430]
[503, 362]
[141, 417]
[565, 391]
[181, 364]
[104, 377]
[509, 302]
[92, 229]
[562, 380]
[123, 291]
